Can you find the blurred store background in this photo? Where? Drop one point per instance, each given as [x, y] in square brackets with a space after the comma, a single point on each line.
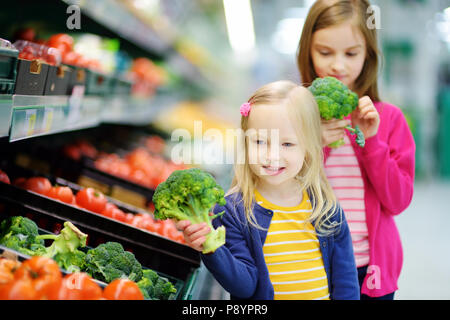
[207, 56]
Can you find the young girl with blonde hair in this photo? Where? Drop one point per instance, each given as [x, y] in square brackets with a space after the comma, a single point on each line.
[286, 236]
[374, 183]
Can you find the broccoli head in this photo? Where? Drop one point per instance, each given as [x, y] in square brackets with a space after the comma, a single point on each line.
[64, 249]
[20, 234]
[109, 261]
[190, 194]
[336, 101]
[155, 287]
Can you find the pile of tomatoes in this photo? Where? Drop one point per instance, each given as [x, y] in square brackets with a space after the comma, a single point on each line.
[40, 278]
[95, 201]
[139, 166]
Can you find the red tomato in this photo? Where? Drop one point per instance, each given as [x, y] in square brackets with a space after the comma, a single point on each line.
[61, 41]
[122, 289]
[91, 199]
[4, 177]
[109, 207]
[42, 272]
[64, 194]
[20, 182]
[70, 57]
[21, 289]
[119, 215]
[129, 218]
[77, 286]
[72, 151]
[38, 184]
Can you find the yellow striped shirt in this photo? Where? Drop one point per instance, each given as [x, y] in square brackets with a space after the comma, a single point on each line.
[292, 253]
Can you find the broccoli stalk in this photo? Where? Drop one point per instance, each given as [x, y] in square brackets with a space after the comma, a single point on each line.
[64, 249]
[190, 195]
[336, 101]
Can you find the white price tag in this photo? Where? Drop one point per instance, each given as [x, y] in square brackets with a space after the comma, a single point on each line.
[48, 120]
[30, 122]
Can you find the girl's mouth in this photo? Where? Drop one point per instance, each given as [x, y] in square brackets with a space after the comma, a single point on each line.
[273, 171]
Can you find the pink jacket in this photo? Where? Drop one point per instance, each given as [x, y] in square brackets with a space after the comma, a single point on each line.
[387, 166]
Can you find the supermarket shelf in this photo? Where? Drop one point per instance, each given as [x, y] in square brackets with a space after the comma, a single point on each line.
[25, 116]
[118, 18]
[115, 17]
[40, 115]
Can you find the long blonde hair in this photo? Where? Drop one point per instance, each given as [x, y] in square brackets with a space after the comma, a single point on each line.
[327, 13]
[305, 115]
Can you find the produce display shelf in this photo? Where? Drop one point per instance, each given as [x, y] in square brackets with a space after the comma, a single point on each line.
[119, 18]
[184, 291]
[27, 116]
[34, 116]
[152, 250]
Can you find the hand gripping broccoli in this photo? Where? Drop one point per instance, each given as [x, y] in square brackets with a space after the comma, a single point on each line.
[336, 101]
[190, 194]
[64, 249]
[109, 261]
[20, 234]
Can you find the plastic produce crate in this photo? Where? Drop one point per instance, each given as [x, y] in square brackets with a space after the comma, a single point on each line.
[77, 78]
[8, 67]
[97, 83]
[31, 77]
[121, 86]
[57, 82]
[182, 289]
[151, 249]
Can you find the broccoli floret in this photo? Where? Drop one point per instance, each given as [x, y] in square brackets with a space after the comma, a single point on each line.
[155, 287]
[64, 249]
[335, 101]
[190, 194]
[20, 234]
[109, 261]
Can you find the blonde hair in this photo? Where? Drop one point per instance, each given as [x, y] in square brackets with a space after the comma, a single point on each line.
[304, 113]
[327, 13]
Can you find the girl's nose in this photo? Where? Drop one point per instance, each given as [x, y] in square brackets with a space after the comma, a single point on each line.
[338, 64]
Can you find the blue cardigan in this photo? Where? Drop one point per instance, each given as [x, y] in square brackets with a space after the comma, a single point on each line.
[239, 265]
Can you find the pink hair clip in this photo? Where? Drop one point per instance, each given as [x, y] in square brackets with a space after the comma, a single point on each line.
[245, 109]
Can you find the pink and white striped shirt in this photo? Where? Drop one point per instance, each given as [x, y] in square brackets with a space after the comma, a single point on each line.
[344, 176]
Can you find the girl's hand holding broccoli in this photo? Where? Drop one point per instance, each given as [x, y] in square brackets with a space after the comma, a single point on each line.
[194, 234]
[366, 117]
[333, 130]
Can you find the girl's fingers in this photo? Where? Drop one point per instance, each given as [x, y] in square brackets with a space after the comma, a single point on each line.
[181, 225]
[198, 243]
[200, 233]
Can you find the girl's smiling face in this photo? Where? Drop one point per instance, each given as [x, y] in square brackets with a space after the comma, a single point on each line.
[339, 51]
[275, 153]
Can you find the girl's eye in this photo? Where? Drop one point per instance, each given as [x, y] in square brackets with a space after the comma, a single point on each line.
[287, 144]
[324, 53]
[351, 54]
[259, 142]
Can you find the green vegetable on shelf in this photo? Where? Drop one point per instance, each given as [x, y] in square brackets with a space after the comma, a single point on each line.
[155, 287]
[190, 194]
[336, 101]
[109, 261]
[21, 234]
[64, 249]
